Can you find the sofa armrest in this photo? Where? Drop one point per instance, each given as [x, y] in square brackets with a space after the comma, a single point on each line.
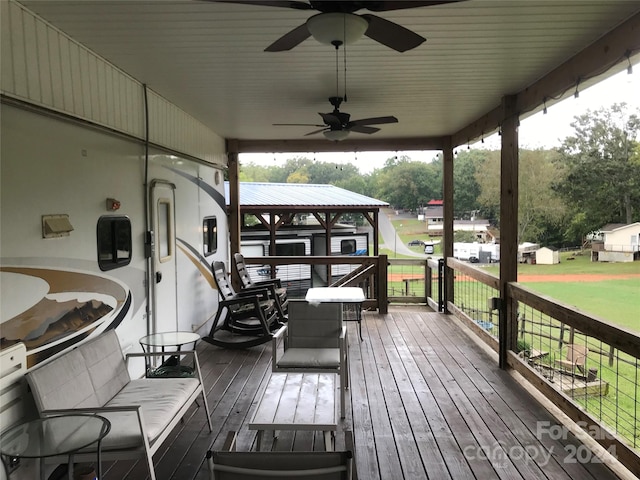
[96, 410]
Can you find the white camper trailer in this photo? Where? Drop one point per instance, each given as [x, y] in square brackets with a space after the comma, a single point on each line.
[87, 247]
[295, 277]
[341, 244]
[295, 241]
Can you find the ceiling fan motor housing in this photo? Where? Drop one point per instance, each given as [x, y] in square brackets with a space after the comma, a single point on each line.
[329, 28]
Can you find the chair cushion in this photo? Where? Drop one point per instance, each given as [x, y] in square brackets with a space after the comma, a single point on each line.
[310, 358]
[161, 399]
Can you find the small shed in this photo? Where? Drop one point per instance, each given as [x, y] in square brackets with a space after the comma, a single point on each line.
[547, 256]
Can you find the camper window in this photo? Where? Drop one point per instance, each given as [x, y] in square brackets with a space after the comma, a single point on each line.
[290, 249]
[347, 247]
[114, 242]
[210, 235]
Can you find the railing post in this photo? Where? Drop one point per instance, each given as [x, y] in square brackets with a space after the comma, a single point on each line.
[441, 283]
[427, 280]
[383, 271]
[508, 333]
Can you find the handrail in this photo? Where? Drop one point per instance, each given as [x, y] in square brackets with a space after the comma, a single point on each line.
[356, 276]
[615, 336]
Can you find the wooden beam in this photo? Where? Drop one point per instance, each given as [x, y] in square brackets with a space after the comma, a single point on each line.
[323, 145]
[508, 225]
[234, 205]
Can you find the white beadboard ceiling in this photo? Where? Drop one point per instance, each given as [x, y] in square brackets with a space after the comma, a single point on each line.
[208, 58]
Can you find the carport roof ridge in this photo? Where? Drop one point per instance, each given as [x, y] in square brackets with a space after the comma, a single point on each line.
[262, 194]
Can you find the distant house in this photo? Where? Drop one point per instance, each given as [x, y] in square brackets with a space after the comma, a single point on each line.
[547, 256]
[433, 216]
[620, 243]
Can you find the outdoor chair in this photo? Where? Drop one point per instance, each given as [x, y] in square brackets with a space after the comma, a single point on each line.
[314, 341]
[228, 464]
[576, 359]
[273, 284]
[244, 319]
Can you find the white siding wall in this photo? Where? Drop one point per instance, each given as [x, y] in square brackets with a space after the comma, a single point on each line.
[620, 240]
[43, 66]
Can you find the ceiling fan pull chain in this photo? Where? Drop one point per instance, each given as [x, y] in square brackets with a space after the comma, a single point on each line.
[337, 44]
[344, 55]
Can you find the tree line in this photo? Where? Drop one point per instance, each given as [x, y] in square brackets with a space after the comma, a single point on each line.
[591, 180]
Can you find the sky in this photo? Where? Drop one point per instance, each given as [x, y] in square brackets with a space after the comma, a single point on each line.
[537, 131]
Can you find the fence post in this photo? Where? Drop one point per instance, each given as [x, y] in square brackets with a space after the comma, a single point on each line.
[441, 283]
[382, 296]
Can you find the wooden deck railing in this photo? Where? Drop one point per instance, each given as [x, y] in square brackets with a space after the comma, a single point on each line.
[371, 274]
[604, 398]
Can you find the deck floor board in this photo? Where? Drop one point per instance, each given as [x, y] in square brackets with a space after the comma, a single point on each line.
[425, 402]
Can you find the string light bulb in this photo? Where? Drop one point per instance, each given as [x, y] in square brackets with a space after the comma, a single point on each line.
[630, 67]
[544, 110]
[576, 94]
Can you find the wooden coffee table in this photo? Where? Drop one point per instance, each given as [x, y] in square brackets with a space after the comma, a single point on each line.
[298, 401]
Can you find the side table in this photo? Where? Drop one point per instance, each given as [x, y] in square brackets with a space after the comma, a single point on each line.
[55, 436]
[175, 340]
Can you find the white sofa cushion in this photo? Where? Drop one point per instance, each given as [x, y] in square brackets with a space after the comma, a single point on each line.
[161, 399]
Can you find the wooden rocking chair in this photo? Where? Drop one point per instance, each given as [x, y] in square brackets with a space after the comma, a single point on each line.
[244, 319]
[273, 284]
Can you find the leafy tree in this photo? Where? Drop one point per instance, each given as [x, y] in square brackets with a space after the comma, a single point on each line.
[539, 206]
[298, 177]
[466, 189]
[602, 168]
[408, 184]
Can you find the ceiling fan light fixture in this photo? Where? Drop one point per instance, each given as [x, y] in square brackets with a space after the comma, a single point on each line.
[336, 135]
[341, 27]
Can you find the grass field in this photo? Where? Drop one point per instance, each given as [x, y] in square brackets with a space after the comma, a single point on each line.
[616, 300]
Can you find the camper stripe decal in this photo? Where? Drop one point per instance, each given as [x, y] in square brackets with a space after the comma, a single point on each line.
[211, 191]
[198, 261]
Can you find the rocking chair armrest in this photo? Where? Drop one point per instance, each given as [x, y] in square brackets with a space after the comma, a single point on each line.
[264, 291]
[271, 281]
[253, 292]
[241, 299]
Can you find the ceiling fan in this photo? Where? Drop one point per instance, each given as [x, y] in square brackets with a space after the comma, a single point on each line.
[338, 125]
[337, 22]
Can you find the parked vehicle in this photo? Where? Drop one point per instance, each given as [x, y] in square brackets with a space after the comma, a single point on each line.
[415, 243]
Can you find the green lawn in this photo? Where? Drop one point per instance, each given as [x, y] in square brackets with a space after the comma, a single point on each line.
[617, 301]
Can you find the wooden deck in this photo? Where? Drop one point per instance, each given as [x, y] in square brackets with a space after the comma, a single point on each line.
[425, 403]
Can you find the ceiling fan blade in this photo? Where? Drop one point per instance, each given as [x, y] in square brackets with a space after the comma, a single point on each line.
[297, 125]
[330, 119]
[270, 3]
[289, 40]
[316, 131]
[373, 121]
[391, 34]
[400, 5]
[363, 129]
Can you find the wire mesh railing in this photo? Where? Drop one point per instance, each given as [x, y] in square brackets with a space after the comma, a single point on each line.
[571, 356]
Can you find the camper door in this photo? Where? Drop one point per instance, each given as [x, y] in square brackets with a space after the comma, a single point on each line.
[164, 283]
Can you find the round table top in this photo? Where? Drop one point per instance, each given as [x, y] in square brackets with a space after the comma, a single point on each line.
[50, 436]
[167, 339]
